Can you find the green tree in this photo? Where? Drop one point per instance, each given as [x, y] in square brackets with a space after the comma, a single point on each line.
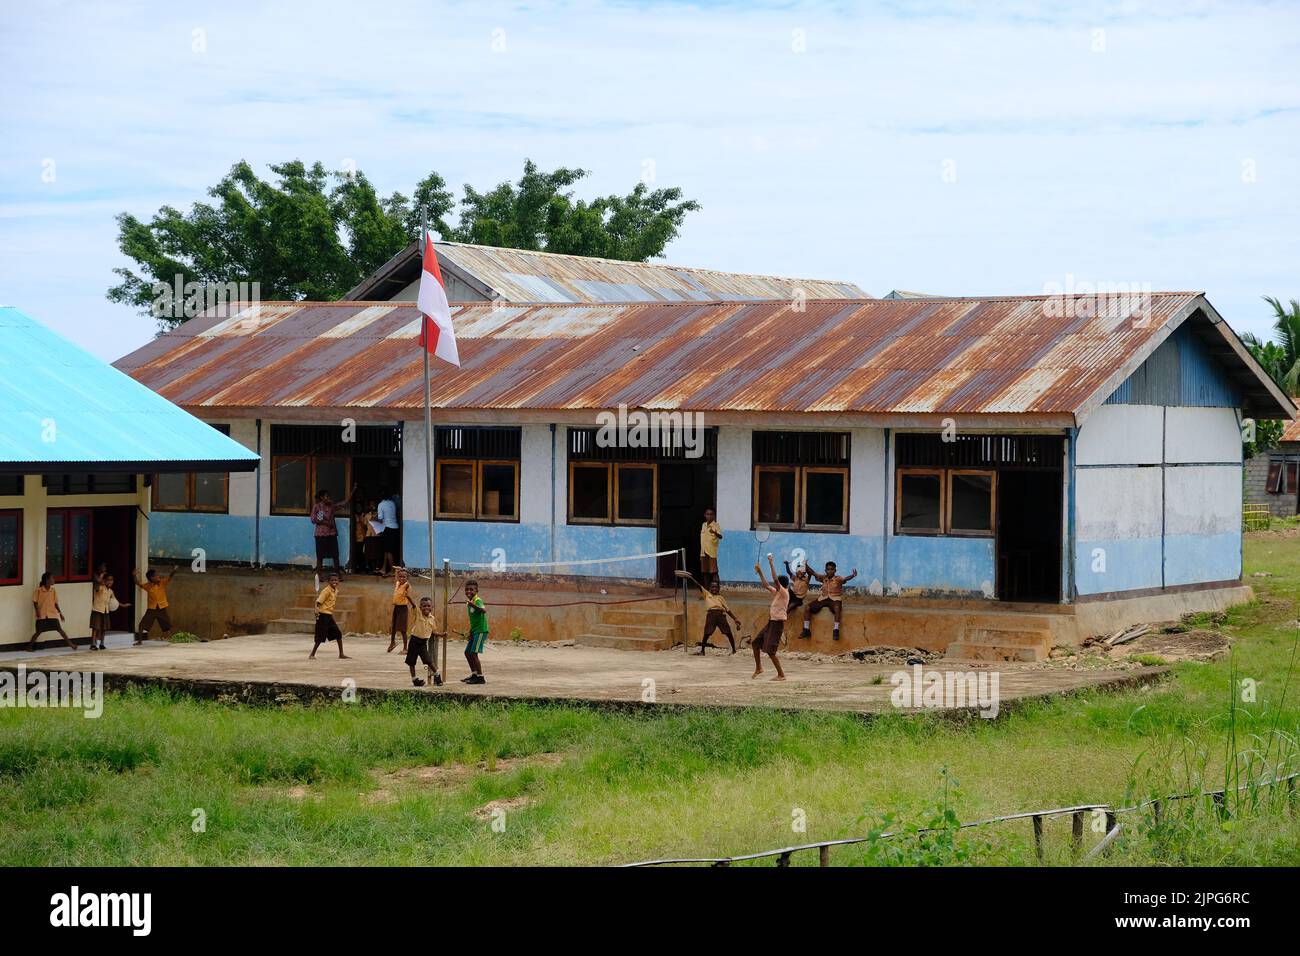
[309, 233]
[1281, 360]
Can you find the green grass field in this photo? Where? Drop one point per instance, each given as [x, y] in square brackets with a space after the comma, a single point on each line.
[408, 784]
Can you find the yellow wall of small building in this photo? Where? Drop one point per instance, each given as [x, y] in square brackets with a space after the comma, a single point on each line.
[17, 620]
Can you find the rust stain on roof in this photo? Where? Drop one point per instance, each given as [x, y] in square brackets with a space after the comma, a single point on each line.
[969, 356]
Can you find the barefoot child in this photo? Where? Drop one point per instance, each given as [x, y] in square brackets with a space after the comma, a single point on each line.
[423, 631]
[769, 640]
[476, 641]
[403, 605]
[45, 599]
[832, 598]
[715, 617]
[155, 611]
[710, 535]
[327, 628]
[102, 605]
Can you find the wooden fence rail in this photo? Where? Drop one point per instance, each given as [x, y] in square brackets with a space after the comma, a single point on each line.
[1038, 817]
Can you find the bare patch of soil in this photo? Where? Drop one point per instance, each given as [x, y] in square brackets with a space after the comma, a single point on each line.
[488, 810]
[1194, 645]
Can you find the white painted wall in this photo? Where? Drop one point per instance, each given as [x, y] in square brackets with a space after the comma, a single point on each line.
[735, 477]
[867, 482]
[1117, 503]
[1121, 434]
[1202, 500]
[415, 491]
[1202, 435]
[535, 473]
[243, 485]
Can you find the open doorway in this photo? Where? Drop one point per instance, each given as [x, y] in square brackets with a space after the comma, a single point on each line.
[373, 476]
[686, 488]
[1029, 536]
[113, 544]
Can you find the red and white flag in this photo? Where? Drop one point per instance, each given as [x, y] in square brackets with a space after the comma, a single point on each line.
[436, 333]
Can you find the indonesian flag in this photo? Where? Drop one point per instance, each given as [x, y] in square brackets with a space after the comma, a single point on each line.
[436, 334]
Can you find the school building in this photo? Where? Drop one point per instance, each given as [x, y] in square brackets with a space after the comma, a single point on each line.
[81, 448]
[1001, 453]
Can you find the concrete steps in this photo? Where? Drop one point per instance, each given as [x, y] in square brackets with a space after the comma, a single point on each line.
[634, 630]
[1003, 642]
[301, 617]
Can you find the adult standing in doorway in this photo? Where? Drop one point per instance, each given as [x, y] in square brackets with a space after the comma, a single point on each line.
[387, 516]
[326, 528]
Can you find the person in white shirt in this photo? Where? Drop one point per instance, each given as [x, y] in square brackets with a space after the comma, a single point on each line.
[386, 515]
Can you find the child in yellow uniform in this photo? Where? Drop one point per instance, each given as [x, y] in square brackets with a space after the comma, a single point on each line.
[715, 617]
[710, 535]
[49, 616]
[327, 628]
[403, 605]
[423, 630]
[154, 585]
[102, 605]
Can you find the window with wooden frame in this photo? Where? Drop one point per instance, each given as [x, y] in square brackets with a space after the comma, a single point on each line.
[477, 473]
[11, 485]
[470, 490]
[945, 501]
[194, 490]
[801, 481]
[621, 493]
[1282, 475]
[918, 501]
[636, 491]
[972, 503]
[296, 480]
[68, 543]
[11, 547]
[590, 493]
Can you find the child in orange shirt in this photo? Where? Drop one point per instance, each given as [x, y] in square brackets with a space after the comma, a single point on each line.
[48, 614]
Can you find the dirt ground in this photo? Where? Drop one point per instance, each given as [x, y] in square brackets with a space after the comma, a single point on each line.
[523, 671]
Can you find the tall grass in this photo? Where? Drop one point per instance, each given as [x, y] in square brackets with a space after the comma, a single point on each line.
[298, 785]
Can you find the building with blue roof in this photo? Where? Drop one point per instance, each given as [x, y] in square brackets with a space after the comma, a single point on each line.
[81, 447]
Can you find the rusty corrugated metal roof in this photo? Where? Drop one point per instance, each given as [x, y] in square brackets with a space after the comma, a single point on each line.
[1291, 432]
[522, 275]
[981, 356]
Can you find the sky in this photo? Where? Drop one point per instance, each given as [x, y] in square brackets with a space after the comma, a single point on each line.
[950, 148]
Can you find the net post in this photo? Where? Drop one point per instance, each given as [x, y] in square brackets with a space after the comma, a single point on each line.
[446, 614]
[686, 596]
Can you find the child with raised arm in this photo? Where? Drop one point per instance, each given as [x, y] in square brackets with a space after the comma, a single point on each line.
[798, 585]
[155, 612]
[769, 640]
[403, 605]
[102, 606]
[423, 629]
[715, 616]
[832, 597]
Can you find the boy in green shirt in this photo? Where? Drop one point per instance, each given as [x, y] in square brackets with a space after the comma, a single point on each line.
[478, 633]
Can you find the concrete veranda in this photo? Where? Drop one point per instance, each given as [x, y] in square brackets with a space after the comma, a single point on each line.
[555, 672]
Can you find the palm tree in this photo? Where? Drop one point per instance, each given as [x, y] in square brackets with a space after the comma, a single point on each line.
[1281, 359]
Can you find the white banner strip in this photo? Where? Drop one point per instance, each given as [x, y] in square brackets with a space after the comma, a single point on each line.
[511, 565]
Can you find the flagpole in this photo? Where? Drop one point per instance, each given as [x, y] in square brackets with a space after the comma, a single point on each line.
[428, 452]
